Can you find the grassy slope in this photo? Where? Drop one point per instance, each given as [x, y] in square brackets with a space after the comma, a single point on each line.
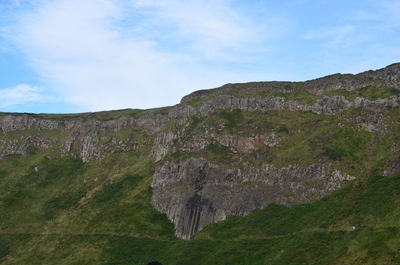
[46, 221]
[307, 234]
[374, 203]
[63, 195]
[61, 211]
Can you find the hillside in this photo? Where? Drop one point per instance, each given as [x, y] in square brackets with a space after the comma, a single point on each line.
[254, 173]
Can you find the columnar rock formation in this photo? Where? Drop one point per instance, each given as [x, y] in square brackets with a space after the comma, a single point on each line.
[195, 192]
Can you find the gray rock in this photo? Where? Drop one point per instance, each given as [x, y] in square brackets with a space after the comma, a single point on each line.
[195, 192]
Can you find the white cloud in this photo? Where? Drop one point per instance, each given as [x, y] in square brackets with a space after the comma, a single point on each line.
[98, 55]
[213, 26]
[21, 94]
[333, 36]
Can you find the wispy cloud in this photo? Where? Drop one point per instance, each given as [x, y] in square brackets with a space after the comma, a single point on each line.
[108, 54]
[99, 54]
[213, 28]
[21, 94]
[334, 36]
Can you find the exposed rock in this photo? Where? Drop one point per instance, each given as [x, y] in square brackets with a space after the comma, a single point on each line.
[248, 144]
[393, 167]
[369, 121]
[162, 144]
[195, 192]
[236, 144]
[85, 140]
[385, 77]
[88, 140]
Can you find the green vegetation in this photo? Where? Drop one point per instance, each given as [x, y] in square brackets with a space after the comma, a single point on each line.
[198, 100]
[345, 144]
[304, 138]
[101, 115]
[358, 247]
[303, 96]
[110, 196]
[309, 234]
[368, 203]
[233, 118]
[369, 92]
[299, 95]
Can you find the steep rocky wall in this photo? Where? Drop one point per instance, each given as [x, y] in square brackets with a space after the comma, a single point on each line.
[89, 140]
[329, 105]
[85, 136]
[196, 192]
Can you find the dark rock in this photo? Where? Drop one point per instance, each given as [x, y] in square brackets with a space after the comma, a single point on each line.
[195, 192]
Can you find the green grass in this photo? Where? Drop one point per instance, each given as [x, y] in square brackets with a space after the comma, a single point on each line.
[366, 246]
[363, 204]
[345, 144]
[305, 234]
[369, 92]
[112, 195]
[101, 115]
[233, 119]
[298, 95]
[305, 97]
[199, 100]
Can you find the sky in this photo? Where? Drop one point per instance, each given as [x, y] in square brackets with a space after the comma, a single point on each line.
[63, 56]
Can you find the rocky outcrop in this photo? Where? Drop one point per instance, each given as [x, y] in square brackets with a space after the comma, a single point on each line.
[163, 143]
[151, 123]
[374, 122]
[236, 144]
[328, 105]
[86, 135]
[393, 167]
[385, 77]
[196, 192]
[89, 140]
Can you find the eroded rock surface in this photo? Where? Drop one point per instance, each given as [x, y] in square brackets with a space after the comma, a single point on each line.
[195, 192]
[89, 140]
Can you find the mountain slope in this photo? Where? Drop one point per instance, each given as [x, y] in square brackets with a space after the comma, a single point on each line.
[109, 187]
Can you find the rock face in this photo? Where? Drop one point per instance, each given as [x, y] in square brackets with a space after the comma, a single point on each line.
[393, 167]
[195, 192]
[191, 186]
[88, 140]
[386, 77]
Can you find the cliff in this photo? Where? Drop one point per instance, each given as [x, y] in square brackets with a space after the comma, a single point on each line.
[235, 149]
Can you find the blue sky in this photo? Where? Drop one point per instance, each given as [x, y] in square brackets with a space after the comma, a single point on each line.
[87, 55]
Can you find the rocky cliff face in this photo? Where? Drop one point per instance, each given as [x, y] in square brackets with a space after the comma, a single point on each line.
[241, 147]
[386, 77]
[87, 139]
[195, 192]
